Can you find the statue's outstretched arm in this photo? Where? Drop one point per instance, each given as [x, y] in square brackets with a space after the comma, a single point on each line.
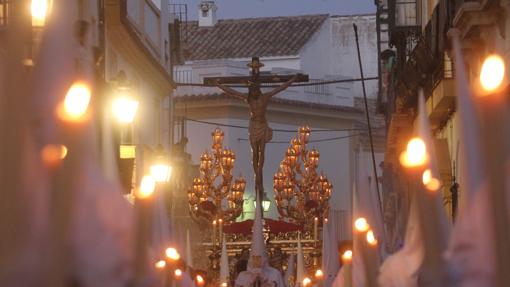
[231, 91]
[282, 87]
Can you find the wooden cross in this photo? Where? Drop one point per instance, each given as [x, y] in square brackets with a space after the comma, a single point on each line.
[260, 132]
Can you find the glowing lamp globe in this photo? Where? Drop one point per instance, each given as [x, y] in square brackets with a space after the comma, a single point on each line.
[492, 73]
[161, 172]
[39, 10]
[125, 108]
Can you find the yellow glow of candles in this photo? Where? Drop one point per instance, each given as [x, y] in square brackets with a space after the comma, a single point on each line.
[371, 238]
[430, 183]
[199, 280]
[39, 10]
[224, 284]
[315, 227]
[172, 254]
[147, 187]
[307, 281]
[76, 103]
[415, 154]
[124, 109]
[160, 264]
[361, 224]
[177, 273]
[492, 73]
[319, 274]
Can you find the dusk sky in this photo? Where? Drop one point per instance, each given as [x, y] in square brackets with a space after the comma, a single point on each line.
[268, 8]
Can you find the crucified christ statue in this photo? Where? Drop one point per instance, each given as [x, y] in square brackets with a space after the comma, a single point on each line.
[259, 130]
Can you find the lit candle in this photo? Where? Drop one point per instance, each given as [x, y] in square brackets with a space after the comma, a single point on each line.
[347, 261]
[315, 227]
[214, 233]
[221, 230]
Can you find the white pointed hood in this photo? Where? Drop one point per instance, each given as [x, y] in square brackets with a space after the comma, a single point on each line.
[290, 268]
[224, 269]
[300, 263]
[189, 255]
[258, 256]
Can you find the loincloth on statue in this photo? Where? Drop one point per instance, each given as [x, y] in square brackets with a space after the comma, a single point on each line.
[260, 131]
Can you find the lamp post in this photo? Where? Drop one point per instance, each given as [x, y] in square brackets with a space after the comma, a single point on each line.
[266, 203]
[161, 169]
[124, 106]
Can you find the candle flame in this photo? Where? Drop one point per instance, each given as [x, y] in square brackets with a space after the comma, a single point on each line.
[416, 153]
[52, 154]
[76, 103]
[160, 264]
[306, 281]
[361, 224]
[178, 273]
[371, 238]
[199, 280]
[319, 274]
[172, 253]
[147, 187]
[430, 183]
[347, 256]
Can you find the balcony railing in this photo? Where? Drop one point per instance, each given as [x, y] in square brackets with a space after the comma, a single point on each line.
[319, 88]
[427, 63]
[183, 76]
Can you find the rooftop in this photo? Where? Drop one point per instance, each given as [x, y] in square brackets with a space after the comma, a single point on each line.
[244, 38]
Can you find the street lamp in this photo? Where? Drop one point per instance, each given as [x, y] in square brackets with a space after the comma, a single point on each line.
[492, 73]
[161, 169]
[39, 10]
[125, 104]
[266, 203]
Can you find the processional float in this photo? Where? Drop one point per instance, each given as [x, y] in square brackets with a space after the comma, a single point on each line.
[301, 194]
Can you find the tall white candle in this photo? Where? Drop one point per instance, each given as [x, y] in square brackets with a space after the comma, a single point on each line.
[347, 268]
[214, 233]
[315, 228]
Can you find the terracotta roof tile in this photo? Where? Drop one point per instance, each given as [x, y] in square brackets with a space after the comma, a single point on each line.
[244, 38]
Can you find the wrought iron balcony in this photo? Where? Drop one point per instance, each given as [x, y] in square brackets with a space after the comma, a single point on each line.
[425, 66]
